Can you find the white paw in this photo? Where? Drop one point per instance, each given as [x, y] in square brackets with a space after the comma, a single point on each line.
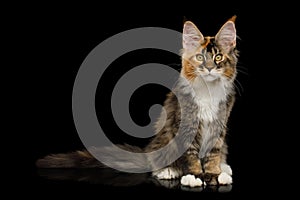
[224, 179]
[166, 173]
[191, 181]
[226, 168]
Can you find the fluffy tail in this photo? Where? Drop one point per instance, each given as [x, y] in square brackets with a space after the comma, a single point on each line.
[83, 159]
[77, 159]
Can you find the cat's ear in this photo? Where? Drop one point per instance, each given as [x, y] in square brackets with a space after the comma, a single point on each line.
[226, 37]
[191, 37]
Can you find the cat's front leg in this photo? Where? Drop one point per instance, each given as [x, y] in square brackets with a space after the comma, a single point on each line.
[192, 170]
[212, 169]
[192, 165]
[216, 172]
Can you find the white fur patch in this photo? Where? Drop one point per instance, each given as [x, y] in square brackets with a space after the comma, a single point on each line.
[208, 95]
[166, 173]
[191, 181]
[226, 168]
[224, 179]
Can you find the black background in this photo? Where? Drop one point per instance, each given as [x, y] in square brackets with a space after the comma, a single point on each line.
[55, 41]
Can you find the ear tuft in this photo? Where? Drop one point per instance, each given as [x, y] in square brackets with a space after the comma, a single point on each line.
[233, 18]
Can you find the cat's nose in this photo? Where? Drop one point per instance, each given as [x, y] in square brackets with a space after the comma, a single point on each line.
[209, 68]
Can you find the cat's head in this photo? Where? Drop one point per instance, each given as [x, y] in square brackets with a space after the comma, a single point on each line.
[209, 58]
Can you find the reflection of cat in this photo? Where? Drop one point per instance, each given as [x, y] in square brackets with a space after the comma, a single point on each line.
[205, 90]
[110, 177]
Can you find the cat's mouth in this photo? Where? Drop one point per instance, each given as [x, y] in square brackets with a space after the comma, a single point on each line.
[210, 77]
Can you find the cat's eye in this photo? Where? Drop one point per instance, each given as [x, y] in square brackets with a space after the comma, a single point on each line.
[199, 57]
[219, 57]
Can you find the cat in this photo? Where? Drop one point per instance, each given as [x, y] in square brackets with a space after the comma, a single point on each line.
[199, 105]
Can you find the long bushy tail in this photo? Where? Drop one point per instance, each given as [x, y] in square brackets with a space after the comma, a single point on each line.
[83, 159]
[77, 159]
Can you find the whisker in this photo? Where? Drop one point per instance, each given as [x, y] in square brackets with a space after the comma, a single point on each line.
[243, 72]
[237, 89]
[239, 83]
[241, 66]
[176, 65]
[242, 69]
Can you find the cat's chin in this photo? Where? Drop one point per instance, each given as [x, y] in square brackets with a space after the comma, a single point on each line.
[210, 78]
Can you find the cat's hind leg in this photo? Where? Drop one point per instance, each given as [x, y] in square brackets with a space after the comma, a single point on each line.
[167, 173]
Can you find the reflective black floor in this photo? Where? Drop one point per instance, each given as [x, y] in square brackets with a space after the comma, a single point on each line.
[111, 178]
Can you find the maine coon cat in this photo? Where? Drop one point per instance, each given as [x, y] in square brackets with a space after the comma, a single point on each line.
[205, 90]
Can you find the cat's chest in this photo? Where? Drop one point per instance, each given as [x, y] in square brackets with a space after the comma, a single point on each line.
[208, 99]
[207, 111]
